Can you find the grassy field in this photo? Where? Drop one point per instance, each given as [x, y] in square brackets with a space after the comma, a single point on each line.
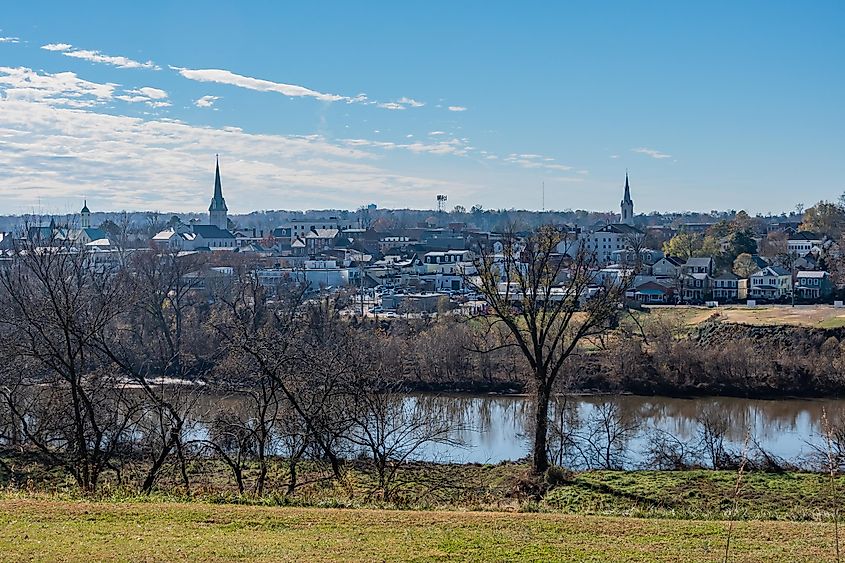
[84, 531]
[816, 316]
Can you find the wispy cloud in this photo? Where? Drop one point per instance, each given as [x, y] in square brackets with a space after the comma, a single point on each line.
[651, 152]
[226, 77]
[206, 101]
[10, 40]
[55, 151]
[221, 76]
[457, 108]
[401, 103]
[60, 89]
[97, 57]
[153, 97]
[536, 162]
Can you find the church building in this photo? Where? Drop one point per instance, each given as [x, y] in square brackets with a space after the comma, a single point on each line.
[213, 236]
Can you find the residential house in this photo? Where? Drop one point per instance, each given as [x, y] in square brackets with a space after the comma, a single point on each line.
[772, 282]
[813, 285]
[802, 242]
[702, 265]
[667, 267]
[653, 292]
[724, 287]
[696, 287]
[320, 240]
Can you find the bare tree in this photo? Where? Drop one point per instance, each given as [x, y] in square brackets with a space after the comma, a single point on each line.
[72, 406]
[158, 345]
[603, 442]
[550, 304]
[300, 346]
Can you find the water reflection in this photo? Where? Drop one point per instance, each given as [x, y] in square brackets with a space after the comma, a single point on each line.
[498, 428]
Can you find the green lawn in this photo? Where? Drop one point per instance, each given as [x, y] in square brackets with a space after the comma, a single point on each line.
[32, 529]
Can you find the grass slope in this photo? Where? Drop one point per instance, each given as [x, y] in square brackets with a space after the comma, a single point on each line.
[84, 531]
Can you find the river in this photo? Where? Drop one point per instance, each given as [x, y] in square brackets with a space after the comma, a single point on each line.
[494, 428]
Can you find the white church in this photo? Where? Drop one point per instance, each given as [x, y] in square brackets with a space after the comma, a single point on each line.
[212, 236]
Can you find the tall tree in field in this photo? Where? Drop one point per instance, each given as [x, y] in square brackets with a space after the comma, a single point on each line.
[545, 290]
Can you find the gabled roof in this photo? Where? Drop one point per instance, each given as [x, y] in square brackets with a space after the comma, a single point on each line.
[674, 260]
[812, 274]
[620, 228]
[806, 235]
[322, 233]
[772, 271]
[94, 233]
[703, 261]
[725, 276]
[211, 231]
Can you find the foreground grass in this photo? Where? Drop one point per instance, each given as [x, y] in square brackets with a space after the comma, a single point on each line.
[85, 531]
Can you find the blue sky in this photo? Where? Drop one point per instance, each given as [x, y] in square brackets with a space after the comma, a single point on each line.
[714, 105]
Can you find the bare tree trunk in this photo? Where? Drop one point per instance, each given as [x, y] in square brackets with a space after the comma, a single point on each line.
[540, 458]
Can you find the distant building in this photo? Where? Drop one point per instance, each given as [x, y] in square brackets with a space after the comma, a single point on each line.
[213, 236]
[605, 241]
[813, 285]
[802, 243]
[772, 282]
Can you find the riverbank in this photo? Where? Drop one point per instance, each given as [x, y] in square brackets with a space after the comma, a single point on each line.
[130, 531]
[506, 487]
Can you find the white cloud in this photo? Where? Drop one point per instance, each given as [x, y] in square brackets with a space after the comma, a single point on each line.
[55, 151]
[153, 97]
[97, 57]
[411, 102]
[230, 78]
[436, 133]
[10, 40]
[651, 152]
[226, 77]
[57, 46]
[154, 93]
[60, 89]
[536, 162]
[457, 108]
[206, 101]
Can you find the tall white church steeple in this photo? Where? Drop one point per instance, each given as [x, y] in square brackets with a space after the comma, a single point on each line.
[217, 211]
[627, 205]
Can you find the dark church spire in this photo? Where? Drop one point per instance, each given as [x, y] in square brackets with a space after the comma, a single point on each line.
[218, 189]
[217, 210]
